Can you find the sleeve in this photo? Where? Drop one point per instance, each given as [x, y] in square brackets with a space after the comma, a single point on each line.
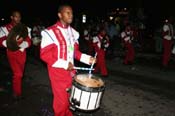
[125, 37]
[165, 28]
[96, 43]
[29, 32]
[80, 56]
[26, 43]
[4, 43]
[3, 32]
[77, 53]
[60, 63]
[166, 32]
[3, 36]
[48, 51]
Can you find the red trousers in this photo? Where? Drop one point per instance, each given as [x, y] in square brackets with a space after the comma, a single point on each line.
[60, 81]
[130, 53]
[101, 63]
[167, 47]
[17, 61]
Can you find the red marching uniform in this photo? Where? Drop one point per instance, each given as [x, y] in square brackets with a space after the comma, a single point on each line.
[100, 49]
[88, 39]
[127, 40]
[167, 42]
[59, 46]
[16, 59]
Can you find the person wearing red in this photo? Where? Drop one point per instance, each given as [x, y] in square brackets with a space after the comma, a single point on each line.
[59, 47]
[101, 43]
[168, 35]
[88, 38]
[16, 58]
[127, 37]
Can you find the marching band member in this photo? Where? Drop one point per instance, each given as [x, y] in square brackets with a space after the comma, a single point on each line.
[87, 36]
[101, 43]
[168, 35]
[59, 47]
[127, 36]
[16, 37]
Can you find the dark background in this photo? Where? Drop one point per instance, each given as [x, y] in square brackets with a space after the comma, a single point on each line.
[47, 9]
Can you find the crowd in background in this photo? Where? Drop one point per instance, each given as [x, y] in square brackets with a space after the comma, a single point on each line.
[147, 36]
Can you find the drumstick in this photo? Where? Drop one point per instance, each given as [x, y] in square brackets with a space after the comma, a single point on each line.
[82, 68]
[92, 65]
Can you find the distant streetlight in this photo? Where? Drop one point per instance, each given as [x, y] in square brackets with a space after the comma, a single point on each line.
[84, 18]
[2, 19]
[111, 17]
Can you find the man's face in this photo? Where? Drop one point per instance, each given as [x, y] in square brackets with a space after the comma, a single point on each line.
[103, 33]
[66, 15]
[16, 17]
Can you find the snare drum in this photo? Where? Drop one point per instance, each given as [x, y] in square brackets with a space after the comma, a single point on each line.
[86, 92]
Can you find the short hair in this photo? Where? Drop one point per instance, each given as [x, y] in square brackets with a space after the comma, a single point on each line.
[15, 11]
[60, 8]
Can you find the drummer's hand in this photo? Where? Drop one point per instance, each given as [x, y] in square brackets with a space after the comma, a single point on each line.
[19, 40]
[92, 60]
[70, 66]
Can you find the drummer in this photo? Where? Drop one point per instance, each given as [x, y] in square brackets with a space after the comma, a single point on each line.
[59, 47]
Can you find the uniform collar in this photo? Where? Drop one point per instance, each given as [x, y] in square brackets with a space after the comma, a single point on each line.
[12, 24]
[62, 25]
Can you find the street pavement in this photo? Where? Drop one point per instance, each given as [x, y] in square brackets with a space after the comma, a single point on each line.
[141, 89]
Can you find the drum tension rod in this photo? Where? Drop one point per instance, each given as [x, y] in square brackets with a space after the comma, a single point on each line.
[75, 102]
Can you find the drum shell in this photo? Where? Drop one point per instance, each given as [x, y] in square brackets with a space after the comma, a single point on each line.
[86, 98]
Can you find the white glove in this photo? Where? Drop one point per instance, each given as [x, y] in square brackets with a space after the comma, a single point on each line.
[24, 44]
[21, 49]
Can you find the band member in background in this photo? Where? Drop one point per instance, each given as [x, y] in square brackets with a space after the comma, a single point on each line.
[59, 47]
[127, 37]
[16, 37]
[36, 37]
[168, 34]
[101, 43]
[87, 36]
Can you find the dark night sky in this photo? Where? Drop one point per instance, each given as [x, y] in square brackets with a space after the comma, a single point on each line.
[78, 5]
[47, 8]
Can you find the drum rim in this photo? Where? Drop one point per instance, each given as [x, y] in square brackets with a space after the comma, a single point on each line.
[88, 89]
[86, 110]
